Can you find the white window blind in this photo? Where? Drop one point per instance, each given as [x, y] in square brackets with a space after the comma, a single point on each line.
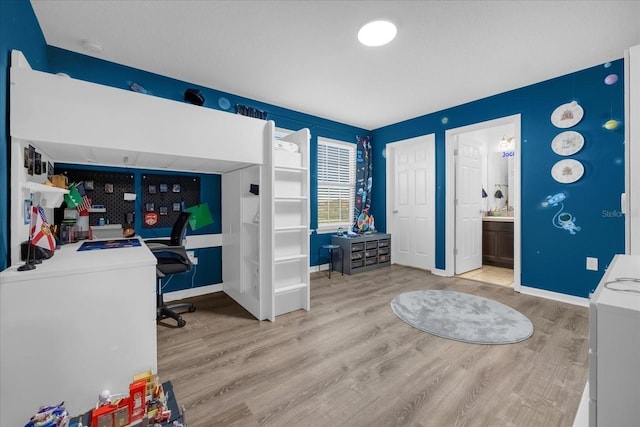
[336, 183]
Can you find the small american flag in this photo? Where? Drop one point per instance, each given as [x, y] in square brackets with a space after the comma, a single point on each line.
[85, 205]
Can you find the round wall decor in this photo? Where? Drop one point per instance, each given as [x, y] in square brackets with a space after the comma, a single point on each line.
[567, 143]
[567, 115]
[567, 171]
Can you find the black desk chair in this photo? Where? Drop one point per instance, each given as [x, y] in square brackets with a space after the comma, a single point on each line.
[172, 259]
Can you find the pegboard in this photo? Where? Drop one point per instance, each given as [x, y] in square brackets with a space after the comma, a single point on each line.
[168, 195]
[106, 189]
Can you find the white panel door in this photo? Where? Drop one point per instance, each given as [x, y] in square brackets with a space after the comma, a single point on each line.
[468, 207]
[412, 195]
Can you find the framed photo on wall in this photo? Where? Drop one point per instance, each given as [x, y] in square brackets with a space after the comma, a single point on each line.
[37, 165]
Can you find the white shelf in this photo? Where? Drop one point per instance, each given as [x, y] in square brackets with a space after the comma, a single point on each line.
[50, 197]
[291, 228]
[34, 187]
[290, 258]
[283, 168]
[290, 288]
[96, 210]
[289, 198]
[286, 183]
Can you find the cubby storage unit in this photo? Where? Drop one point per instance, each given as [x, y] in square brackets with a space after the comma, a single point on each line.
[363, 253]
[286, 188]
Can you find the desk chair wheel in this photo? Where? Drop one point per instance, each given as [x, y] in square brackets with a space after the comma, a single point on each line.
[192, 309]
[181, 322]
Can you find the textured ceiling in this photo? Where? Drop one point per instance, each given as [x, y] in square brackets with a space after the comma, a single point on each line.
[304, 55]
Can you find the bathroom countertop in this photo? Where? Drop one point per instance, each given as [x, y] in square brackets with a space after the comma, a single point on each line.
[498, 218]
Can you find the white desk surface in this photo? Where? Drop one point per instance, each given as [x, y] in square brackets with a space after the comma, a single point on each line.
[68, 260]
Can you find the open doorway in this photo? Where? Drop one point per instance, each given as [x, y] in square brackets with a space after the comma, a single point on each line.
[483, 193]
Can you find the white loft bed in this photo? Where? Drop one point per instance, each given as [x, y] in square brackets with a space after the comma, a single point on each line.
[75, 121]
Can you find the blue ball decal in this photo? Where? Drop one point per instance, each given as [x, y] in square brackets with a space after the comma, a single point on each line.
[224, 103]
[611, 79]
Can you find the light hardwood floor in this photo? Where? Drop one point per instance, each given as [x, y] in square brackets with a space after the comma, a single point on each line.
[351, 362]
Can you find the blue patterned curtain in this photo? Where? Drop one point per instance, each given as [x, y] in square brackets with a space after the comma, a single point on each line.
[362, 218]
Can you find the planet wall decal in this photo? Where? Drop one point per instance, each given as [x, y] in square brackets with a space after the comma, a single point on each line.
[611, 79]
[611, 124]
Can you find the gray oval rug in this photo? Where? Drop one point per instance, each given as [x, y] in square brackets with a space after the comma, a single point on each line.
[462, 317]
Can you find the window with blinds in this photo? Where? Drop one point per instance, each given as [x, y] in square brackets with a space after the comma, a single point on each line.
[336, 183]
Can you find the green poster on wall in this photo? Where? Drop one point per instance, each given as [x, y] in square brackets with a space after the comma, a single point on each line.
[200, 216]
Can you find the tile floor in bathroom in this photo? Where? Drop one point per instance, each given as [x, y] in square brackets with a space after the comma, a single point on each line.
[491, 274]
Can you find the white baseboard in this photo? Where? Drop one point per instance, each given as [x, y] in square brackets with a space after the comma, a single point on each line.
[569, 299]
[192, 292]
[316, 268]
[439, 272]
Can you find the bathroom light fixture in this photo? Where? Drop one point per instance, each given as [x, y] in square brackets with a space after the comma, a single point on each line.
[377, 33]
[506, 144]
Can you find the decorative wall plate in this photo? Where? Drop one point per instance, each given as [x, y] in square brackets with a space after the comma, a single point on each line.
[567, 171]
[567, 115]
[567, 143]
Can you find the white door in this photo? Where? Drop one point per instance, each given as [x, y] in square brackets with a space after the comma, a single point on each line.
[411, 201]
[468, 206]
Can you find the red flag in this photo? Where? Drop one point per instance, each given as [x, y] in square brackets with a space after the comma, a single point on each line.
[40, 232]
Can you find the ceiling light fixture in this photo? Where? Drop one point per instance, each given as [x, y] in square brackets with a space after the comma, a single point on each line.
[377, 33]
[91, 46]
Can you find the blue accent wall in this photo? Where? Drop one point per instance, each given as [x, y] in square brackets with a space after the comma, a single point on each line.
[552, 258]
[19, 30]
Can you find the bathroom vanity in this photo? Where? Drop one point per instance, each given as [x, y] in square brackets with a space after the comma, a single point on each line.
[497, 241]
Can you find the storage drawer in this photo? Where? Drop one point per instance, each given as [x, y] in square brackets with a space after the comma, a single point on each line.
[384, 243]
[383, 258]
[357, 247]
[383, 251]
[357, 264]
[357, 255]
[372, 245]
[371, 253]
[371, 261]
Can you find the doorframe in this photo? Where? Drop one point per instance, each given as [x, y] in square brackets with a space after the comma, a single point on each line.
[450, 186]
[390, 180]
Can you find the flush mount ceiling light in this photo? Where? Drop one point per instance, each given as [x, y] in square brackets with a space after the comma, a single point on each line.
[377, 33]
[91, 46]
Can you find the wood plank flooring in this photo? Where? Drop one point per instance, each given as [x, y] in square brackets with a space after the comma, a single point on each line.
[351, 362]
